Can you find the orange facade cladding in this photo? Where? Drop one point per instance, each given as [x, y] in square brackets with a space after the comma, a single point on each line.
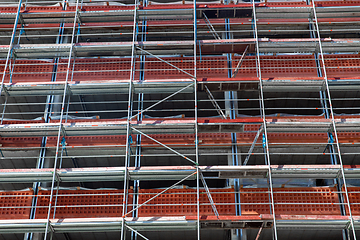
[342, 65]
[278, 66]
[177, 140]
[182, 202]
[15, 204]
[20, 142]
[354, 198]
[97, 69]
[287, 67]
[206, 66]
[331, 3]
[28, 71]
[22, 121]
[290, 201]
[337, 3]
[82, 203]
[178, 202]
[205, 139]
[75, 141]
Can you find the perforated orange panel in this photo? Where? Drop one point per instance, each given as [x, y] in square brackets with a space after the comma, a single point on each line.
[251, 127]
[20, 142]
[22, 121]
[301, 138]
[354, 198]
[342, 65]
[207, 67]
[168, 6]
[286, 4]
[72, 141]
[298, 138]
[277, 66]
[337, 3]
[291, 201]
[82, 203]
[208, 139]
[97, 69]
[349, 137]
[101, 8]
[13, 204]
[205, 139]
[42, 8]
[28, 71]
[8, 9]
[176, 202]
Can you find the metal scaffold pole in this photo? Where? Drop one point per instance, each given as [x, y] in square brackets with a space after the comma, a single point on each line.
[61, 131]
[128, 127]
[140, 116]
[332, 116]
[10, 50]
[263, 115]
[196, 124]
[48, 112]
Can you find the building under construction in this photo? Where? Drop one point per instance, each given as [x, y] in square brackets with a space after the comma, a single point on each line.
[234, 120]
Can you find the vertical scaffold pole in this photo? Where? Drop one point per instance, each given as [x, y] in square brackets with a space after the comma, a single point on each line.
[264, 119]
[196, 129]
[134, 235]
[129, 115]
[10, 50]
[333, 120]
[61, 118]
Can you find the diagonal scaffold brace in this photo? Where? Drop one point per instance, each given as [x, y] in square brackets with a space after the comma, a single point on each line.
[181, 70]
[214, 103]
[209, 195]
[162, 100]
[253, 145]
[131, 229]
[211, 27]
[165, 146]
[150, 199]
[240, 62]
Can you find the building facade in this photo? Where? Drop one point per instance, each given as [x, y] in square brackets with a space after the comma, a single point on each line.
[180, 120]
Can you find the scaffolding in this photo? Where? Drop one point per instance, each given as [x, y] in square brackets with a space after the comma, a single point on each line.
[198, 120]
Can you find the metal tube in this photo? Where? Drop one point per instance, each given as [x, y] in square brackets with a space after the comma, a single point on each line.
[136, 232]
[165, 146]
[172, 186]
[196, 125]
[262, 105]
[10, 51]
[166, 62]
[162, 100]
[333, 121]
[129, 108]
[60, 123]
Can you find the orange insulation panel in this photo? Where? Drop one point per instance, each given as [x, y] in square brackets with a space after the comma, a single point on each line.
[182, 202]
[290, 201]
[82, 203]
[15, 204]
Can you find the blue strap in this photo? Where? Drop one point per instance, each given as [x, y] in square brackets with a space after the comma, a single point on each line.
[200, 50]
[263, 141]
[63, 142]
[78, 32]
